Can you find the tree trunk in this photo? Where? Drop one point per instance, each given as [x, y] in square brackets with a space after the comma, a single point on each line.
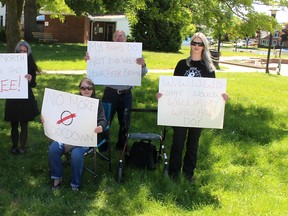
[13, 17]
[30, 14]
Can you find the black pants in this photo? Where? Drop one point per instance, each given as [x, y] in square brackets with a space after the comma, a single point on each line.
[190, 158]
[119, 103]
[15, 134]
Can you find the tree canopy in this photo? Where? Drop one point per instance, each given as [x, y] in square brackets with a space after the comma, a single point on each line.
[176, 18]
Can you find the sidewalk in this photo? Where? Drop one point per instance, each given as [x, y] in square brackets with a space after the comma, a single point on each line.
[223, 68]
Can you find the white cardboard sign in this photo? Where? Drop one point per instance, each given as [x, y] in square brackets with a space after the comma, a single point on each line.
[114, 63]
[13, 68]
[191, 102]
[70, 118]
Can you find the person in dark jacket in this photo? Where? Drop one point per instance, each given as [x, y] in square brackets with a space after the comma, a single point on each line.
[21, 111]
[198, 64]
[57, 149]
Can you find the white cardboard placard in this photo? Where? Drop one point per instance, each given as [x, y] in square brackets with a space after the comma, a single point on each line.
[191, 102]
[114, 63]
[13, 68]
[70, 118]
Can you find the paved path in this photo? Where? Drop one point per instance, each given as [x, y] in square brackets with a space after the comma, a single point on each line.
[223, 68]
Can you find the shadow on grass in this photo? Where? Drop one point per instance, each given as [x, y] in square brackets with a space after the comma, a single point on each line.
[253, 124]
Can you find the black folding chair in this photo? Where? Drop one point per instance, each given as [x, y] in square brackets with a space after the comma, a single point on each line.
[104, 140]
[144, 136]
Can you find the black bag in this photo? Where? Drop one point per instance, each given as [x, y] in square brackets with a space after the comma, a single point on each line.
[142, 155]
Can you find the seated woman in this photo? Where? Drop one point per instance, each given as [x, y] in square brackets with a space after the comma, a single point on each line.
[57, 149]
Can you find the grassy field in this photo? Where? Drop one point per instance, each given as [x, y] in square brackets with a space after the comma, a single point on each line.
[71, 56]
[242, 169]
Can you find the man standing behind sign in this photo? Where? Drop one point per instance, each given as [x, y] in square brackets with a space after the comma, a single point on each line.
[120, 96]
[198, 64]
[20, 111]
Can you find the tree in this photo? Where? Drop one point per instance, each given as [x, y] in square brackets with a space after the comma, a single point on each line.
[30, 14]
[13, 16]
[159, 25]
[284, 33]
[81, 7]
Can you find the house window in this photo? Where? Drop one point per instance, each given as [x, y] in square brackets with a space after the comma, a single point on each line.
[276, 34]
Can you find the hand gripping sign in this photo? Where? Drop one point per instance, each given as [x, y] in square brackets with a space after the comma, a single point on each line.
[70, 118]
[114, 63]
[191, 102]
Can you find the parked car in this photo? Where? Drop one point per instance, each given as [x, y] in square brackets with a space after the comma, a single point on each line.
[240, 44]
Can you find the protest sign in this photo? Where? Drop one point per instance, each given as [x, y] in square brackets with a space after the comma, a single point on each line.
[191, 102]
[114, 63]
[13, 68]
[69, 118]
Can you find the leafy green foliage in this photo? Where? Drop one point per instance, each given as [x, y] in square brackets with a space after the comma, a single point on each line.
[81, 7]
[160, 24]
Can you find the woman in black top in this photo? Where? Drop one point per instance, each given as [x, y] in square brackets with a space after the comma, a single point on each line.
[21, 111]
[198, 64]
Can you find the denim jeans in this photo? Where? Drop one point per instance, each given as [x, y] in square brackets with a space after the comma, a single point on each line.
[56, 150]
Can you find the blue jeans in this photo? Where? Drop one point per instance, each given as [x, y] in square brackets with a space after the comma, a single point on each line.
[56, 150]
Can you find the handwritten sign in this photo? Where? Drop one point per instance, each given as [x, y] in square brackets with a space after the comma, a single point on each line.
[191, 102]
[114, 63]
[13, 68]
[70, 118]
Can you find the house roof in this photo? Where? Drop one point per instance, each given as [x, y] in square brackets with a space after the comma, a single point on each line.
[107, 17]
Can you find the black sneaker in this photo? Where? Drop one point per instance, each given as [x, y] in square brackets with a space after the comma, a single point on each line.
[15, 151]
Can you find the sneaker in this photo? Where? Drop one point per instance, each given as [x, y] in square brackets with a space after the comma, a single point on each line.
[21, 151]
[15, 151]
[75, 188]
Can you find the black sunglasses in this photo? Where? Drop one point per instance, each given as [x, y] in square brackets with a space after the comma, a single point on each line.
[86, 88]
[200, 44]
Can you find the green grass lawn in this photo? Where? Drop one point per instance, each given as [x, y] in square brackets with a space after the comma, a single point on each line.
[71, 56]
[242, 169]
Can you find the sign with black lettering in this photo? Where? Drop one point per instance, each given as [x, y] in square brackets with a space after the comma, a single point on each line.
[114, 63]
[69, 118]
[191, 102]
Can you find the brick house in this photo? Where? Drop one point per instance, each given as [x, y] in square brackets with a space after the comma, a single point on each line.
[80, 29]
[276, 41]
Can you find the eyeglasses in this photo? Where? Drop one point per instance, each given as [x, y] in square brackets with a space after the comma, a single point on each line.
[118, 36]
[86, 88]
[200, 44]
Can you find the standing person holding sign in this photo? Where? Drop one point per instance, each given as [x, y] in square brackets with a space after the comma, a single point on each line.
[21, 111]
[57, 149]
[120, 96]
[198, 64]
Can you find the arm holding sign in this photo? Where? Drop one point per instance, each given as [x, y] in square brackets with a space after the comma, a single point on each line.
[19, 111]
[190, 104]
[120, 96]
[57, 149]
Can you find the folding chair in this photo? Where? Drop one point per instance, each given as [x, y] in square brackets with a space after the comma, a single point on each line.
[144, 136]
[104, 140]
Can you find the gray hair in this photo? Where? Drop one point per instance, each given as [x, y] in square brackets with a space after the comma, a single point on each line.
[206, 56]
[23, 43]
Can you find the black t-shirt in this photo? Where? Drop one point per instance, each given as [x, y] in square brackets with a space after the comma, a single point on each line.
[196, 69]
